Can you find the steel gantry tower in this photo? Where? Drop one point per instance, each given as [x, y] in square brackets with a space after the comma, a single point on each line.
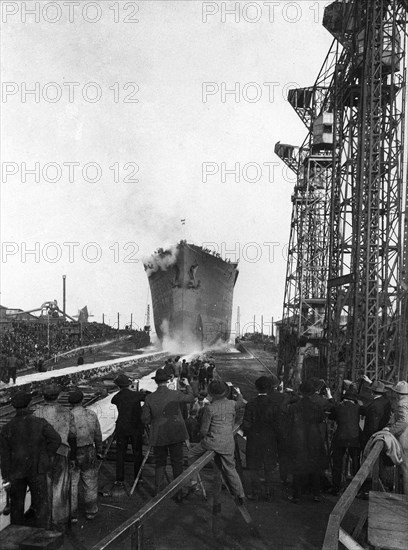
[307, 262]
[366, 306]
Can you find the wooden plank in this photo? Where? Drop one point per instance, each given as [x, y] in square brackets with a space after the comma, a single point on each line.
[153, 506]
[348, 541]
[388, 520]
[331, 539]
[360, 524]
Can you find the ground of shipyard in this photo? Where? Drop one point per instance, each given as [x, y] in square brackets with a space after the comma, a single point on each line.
[188, 525]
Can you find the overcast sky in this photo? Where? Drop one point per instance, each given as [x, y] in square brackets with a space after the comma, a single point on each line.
[133, 129]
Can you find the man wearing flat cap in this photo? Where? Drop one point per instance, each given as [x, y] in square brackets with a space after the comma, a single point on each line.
[62, 420]
[27, 446]
[129, 426]
[89, 448]
[167, 428]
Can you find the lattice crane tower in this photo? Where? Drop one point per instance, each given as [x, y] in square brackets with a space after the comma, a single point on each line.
[307, 262]
[367, 298]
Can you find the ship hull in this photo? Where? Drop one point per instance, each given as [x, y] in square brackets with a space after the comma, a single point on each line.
[192, 299]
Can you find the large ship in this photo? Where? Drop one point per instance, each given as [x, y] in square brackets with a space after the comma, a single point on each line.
[192, 290]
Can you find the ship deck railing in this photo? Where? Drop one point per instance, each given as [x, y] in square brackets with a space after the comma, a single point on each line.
[134, 526]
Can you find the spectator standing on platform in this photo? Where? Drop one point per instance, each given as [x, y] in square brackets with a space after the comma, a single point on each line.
[89, 448]
[377, 413]
[12, 365]
[27, 446]
[168, 431]
[58, 478]
[346, 437]
[3, 367]
[129, 426]
[217, 430]
[260, 426]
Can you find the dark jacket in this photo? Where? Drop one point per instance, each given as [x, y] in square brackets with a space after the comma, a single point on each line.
[347, 416]
[162, 411]
[260, 425]
[307, 453]
[26, 445]
[377, 415]
[129, 419]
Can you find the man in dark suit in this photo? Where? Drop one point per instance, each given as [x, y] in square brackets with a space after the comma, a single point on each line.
[27, 446]
[129, 426]
[167, 428]
[347, 436]
[260, 425]
[377, 413]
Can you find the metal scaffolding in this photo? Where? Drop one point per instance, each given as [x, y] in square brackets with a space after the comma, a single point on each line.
[307, 262]
[347, 278]
[366, 295]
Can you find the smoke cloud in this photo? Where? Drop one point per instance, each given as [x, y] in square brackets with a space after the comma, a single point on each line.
[161, 259]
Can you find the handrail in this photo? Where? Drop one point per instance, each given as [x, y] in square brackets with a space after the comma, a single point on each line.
[133, 525]
[331, 539]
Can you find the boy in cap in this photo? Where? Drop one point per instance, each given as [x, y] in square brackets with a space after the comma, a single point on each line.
[217, 428]
[167, 428]
[58, 478]
[89, 448]
[129, 426]
[27, 446]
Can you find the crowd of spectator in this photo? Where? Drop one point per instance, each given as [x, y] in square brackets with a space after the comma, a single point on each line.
[35, 342]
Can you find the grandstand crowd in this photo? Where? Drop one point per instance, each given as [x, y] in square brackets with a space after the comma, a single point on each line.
[33, 344]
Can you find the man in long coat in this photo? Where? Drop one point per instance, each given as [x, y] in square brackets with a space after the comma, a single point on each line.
[27, 447]
[129, 426]
[168, 431]
[58, 478]
[308, 452]
[260, 425]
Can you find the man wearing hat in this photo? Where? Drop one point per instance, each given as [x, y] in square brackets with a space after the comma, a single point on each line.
[129, 426]
[167, 428]
[89, 448]
[377, 412]
[27, 446]
[62, 420]
[346, 437]
[217, 428]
